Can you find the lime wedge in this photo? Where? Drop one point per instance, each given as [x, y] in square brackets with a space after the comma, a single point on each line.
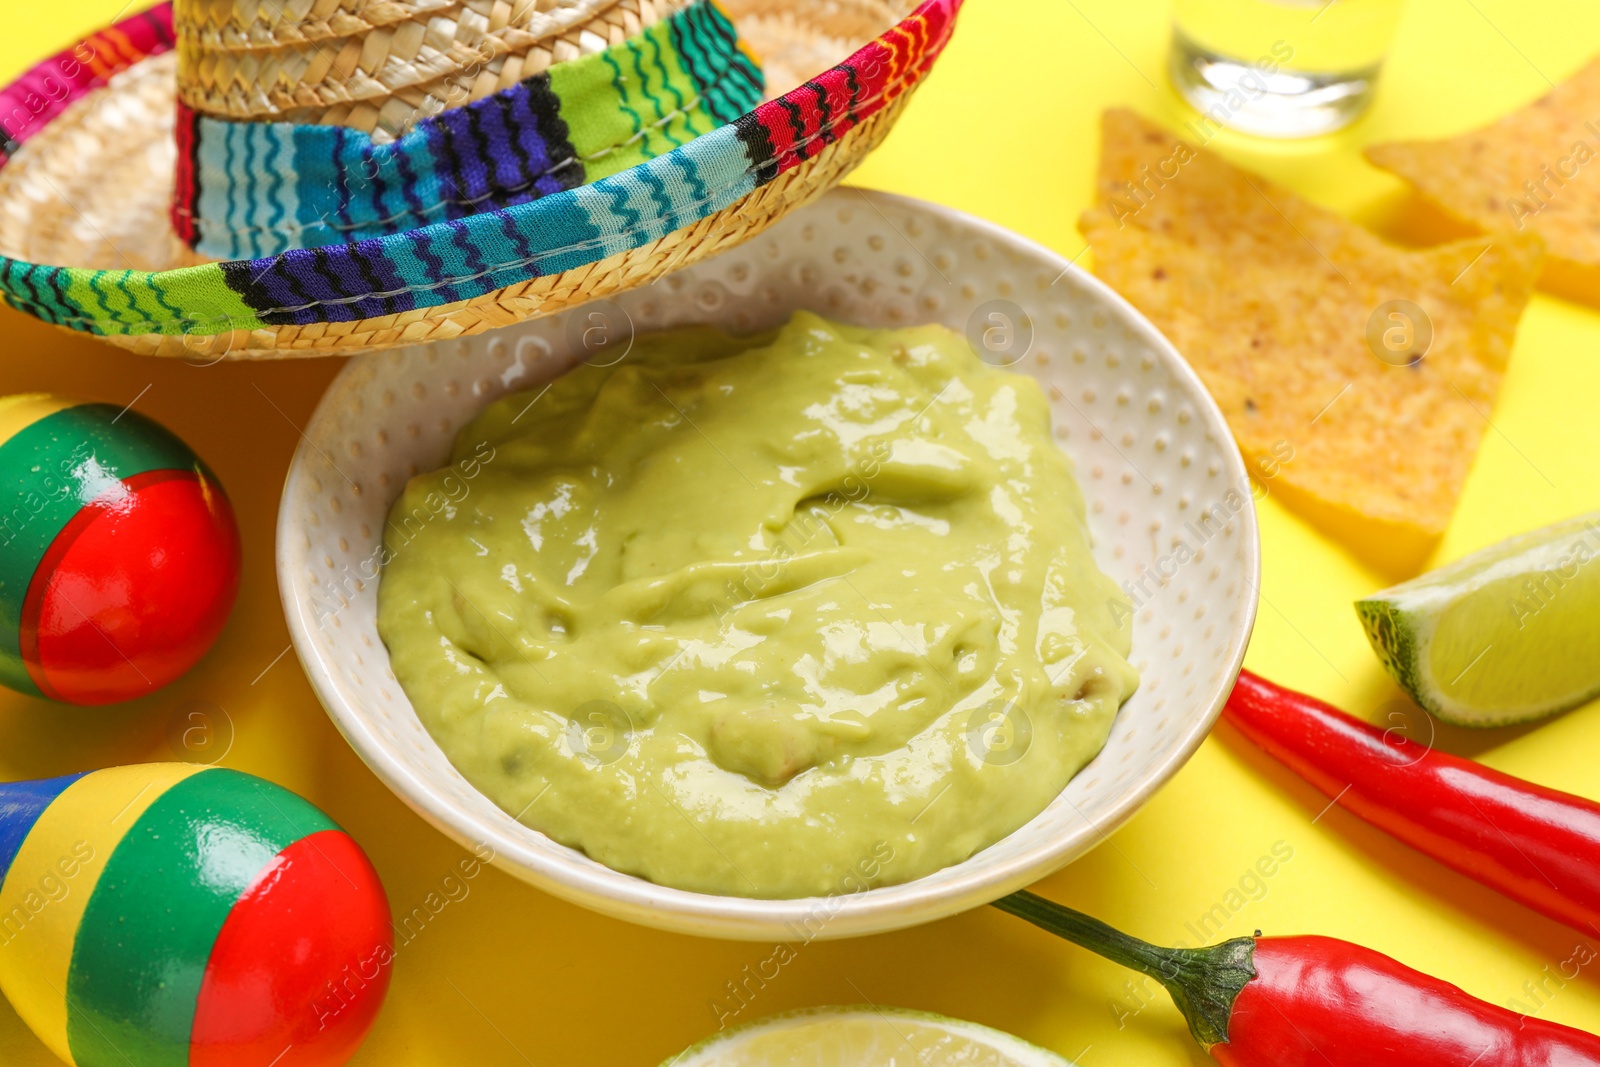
[1505, 635]
[864, 1037]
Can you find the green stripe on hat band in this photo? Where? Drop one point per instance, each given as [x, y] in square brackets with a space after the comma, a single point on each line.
[141, 951]
[48, 471]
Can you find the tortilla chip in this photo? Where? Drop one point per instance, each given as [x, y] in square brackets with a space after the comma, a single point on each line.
[1270, 298]
[1537, 169]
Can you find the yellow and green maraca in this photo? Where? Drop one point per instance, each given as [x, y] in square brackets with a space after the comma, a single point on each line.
[164, 915]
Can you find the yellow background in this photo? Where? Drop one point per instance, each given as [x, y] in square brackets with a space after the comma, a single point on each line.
[1005, 129]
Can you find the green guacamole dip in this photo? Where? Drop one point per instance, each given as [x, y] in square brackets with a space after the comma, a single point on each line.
[775, 616]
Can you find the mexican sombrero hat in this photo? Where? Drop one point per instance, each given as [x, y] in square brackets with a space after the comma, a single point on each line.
[260, 178]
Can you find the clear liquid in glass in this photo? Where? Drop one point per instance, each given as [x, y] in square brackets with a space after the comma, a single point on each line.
[1280, 68]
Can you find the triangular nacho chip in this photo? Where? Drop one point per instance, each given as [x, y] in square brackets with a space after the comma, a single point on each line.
[1537, 169]
[1273, 299]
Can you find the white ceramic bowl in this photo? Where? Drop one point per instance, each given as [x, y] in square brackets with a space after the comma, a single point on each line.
[1170, 511]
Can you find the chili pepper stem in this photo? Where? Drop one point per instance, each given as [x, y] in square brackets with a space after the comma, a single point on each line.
[1203, 982]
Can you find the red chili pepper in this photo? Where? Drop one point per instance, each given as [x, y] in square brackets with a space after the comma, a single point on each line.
[1321, 1002]
[1533, 844]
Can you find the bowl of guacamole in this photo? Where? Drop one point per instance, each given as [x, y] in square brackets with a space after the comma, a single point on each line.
[807, 608]
[742, 613]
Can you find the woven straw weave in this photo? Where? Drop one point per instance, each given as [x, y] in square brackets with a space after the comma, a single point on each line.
[796, 41]
[383, 77]
[94, 187]
[389, 117]
[236, 25]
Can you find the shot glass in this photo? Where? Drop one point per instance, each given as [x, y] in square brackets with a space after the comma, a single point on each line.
[1280, 68]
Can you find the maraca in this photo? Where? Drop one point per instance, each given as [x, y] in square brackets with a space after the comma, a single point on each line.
[119, 557]
[171, 914]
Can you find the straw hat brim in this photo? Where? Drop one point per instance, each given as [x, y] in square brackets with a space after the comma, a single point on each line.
[86, 245]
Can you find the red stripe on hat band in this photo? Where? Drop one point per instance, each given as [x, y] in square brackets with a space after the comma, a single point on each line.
[185, 189]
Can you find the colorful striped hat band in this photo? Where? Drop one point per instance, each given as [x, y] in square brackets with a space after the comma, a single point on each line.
[256, 189]
[358, 175]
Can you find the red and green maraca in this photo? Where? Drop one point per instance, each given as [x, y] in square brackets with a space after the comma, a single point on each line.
[170, 915]
[119, 555]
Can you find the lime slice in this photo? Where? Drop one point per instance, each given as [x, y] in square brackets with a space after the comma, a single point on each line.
[1502, 636]
[864, 1037]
